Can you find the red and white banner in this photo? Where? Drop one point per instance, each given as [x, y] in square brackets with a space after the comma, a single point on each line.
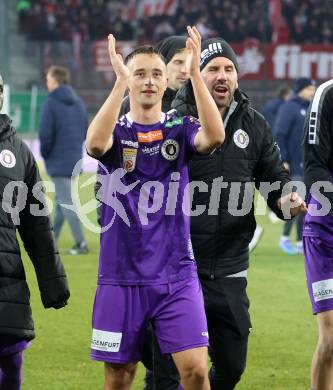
[256, 61]
[284, 62]
[146, 8]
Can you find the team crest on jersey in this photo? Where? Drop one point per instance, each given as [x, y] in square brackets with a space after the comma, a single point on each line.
[241, 138]
[129, 159]
[7, 159]
[170, 149]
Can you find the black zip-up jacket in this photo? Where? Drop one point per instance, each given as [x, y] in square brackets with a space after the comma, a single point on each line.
[17, 164]
[220, 237]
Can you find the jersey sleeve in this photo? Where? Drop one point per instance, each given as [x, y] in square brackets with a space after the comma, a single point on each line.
[107, 157]
[191, 128]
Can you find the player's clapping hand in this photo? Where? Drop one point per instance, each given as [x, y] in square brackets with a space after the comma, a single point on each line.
[193, 44]
[120, 69]
[292, 204]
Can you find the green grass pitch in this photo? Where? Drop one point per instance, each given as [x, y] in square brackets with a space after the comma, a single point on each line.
[280, 346]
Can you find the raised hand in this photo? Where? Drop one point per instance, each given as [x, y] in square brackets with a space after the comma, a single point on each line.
[193, 44]
[116, 59]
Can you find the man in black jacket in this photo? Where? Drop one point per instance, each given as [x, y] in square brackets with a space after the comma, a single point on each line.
[221, 234]
[20, 210]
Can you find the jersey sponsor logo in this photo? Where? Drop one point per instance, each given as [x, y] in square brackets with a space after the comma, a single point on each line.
[241, 138]
[129, 159]
[174, 122]
[106, 341]
[204, 334]
[170, 149]
[7, 159]
[322, 290]
[150, 136]
[133, 144]
[151, 151]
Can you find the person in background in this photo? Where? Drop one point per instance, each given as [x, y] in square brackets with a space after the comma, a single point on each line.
[62, 131]
[318, 229]
[17, 164]
[221, 236]
[271, 108]
[269, 111]
[288, 130]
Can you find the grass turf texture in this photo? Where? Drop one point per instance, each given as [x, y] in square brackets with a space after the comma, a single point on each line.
[280, 346]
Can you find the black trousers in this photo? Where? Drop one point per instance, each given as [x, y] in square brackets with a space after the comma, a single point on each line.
[226, 305]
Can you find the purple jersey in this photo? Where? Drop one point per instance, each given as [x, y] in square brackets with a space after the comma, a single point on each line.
[148, 241]
[317, 226]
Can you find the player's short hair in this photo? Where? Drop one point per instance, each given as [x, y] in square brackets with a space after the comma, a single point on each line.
[60, 73]
[143, 50]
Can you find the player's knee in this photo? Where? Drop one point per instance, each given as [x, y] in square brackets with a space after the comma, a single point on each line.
[196, 371]
[325, 350]
[120, 373]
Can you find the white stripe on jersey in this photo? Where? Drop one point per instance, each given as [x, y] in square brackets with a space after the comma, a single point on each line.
[313, 119]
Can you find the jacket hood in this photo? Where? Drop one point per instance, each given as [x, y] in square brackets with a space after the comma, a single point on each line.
[64, 94]
[6, 128]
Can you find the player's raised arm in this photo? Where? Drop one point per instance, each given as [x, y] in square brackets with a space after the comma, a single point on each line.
[211, 134]
[100, 131]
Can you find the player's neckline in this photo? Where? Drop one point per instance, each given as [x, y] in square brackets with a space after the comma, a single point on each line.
[130, 120]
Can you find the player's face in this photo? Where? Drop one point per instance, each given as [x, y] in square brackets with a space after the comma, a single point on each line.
[220, 77]
[1, 92]
[147, 81]
[176, 70]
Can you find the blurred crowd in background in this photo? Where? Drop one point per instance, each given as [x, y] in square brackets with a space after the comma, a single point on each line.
[301, 21]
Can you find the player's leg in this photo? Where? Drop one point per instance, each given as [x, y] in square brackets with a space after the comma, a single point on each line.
[193, 368]
[11, 371]
[229, 324]
[165, 372]
[119, 325]
[59, 218]
[63, 194]
[119, 376]
[318, 254]
[299, 224]
[181, 330]
[285, 243]
[322, 362]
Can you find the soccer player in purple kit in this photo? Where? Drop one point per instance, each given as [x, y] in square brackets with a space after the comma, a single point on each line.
[147, 271]
[318, 229]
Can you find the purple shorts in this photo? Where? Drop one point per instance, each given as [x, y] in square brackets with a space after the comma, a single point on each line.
[121, 315]
[318, 254]
[10, 345]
